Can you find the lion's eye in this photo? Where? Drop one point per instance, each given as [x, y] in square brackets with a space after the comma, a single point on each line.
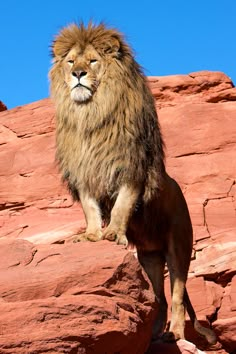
[71, 62]
[93, 61]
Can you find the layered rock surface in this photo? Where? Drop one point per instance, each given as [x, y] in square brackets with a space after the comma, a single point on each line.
[63, 299]
[197, 113]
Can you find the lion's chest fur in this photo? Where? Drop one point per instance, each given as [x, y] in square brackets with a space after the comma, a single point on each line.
[100, 158]
[112, 140]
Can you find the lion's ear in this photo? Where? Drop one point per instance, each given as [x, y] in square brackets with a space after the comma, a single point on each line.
[113, 47]
[58, 50]
[64, 41]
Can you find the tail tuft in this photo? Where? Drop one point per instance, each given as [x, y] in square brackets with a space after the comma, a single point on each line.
[205, 332]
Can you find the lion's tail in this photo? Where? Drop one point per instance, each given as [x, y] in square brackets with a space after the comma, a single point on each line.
[205, 332]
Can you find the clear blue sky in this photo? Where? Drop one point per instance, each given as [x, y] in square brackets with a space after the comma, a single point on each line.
[168, 37]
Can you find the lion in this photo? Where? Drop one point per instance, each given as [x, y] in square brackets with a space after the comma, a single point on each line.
[110, 151]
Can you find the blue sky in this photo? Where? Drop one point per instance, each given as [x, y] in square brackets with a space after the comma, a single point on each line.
[167, 36]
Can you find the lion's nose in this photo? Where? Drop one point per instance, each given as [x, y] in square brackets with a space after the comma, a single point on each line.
[79, 73]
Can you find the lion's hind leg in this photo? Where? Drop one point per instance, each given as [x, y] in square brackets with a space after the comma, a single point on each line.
[178, 277]
[177, 324]
[154, 263]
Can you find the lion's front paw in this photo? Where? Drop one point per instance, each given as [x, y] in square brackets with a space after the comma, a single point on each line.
[113, 235]
[94, 237]
[122, 240]
[85, 236]
[77, 238]
[109, 234]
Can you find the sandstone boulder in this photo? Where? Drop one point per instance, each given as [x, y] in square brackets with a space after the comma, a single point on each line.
[75, 298]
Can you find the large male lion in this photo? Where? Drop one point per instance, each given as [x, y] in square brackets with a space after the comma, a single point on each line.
[110, 151]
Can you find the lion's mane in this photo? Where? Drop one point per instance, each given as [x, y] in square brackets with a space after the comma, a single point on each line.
[114, 138]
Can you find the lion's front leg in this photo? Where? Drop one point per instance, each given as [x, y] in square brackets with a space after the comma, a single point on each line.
[93, 219]
[120, 215]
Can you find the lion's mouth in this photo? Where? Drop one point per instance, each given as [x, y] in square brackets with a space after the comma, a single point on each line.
[81, 85]
[82, 93]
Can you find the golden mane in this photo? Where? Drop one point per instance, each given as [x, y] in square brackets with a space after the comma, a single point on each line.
[100, 37]
[113, 105]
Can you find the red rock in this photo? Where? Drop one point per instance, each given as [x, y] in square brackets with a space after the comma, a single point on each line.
[207, 305]
[217, 261]
[228, 306]
[2, 106]
[226, 332]
[69, 298]
[197, 87]
[226, 95]
[197, 116]
[225, 325]
[32, 199]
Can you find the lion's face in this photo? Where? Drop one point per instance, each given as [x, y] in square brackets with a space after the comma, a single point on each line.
[83, 72]
[87, 62]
